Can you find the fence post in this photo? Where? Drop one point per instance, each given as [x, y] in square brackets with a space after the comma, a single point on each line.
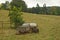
[2, 24]
[2, 27]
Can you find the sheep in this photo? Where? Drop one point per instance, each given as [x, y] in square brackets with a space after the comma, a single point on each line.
[34, 27]
[28, 27]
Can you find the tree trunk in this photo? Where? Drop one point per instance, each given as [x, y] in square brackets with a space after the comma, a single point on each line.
[16, 25]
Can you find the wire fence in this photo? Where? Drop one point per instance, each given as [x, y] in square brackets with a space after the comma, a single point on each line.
[5, 24]
[5, 30]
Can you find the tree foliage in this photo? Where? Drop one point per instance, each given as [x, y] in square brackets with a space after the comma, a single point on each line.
[37, 9]
[44, 9]
[5, 5]
[15, 17]
[18, 4]
[53, 10]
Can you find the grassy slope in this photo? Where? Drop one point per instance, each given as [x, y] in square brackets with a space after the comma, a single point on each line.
[48, 25]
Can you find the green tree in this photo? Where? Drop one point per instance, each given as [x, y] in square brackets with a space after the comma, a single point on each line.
[44, 9]
[2, 6]
[53, 10]
[18, 4]
[38, 9]
[5, 5]
[15, 17]
[58, 10]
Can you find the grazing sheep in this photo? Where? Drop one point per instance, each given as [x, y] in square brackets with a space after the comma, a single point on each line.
[28, 27]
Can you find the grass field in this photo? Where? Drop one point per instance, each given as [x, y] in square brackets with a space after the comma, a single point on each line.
[49, 27]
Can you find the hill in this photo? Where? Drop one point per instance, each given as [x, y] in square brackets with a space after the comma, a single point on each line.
[49, 27]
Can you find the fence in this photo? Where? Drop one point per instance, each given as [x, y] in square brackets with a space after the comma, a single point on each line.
[5, 24]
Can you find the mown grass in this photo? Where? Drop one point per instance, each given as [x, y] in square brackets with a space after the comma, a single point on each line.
[49, 27]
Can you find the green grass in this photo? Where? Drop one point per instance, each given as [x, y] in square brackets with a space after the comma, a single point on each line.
[49, 27]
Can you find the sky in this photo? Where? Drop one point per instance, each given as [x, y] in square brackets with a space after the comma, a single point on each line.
[32, 3]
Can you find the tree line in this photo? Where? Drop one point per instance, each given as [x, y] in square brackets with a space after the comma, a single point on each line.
[53, 10]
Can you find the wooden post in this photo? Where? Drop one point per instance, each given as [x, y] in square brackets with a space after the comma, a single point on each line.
[2, 26]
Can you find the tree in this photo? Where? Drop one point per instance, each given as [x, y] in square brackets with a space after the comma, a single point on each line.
[33, 9]
[5, 5]
[38, 9]
[0, 6]
[18, 4]
[58, 10]
[53, 10]
[44, 9]
[15, 17]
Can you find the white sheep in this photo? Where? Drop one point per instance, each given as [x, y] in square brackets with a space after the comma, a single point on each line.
[28, 27]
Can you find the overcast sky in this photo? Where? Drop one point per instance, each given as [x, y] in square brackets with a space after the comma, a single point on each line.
[32, 3]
